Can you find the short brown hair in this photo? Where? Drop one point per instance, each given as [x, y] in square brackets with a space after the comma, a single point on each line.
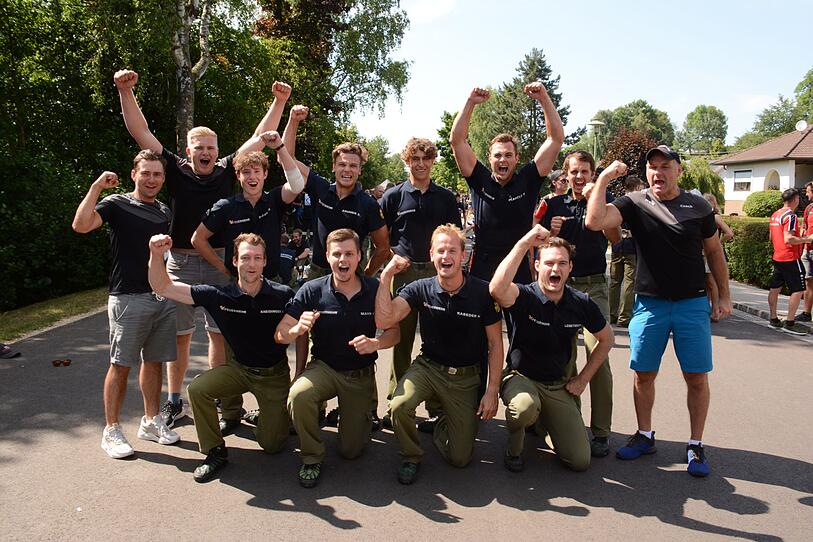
[504, 138]
[349, 148]
[341, 235]
[250, 238]
[581, 156]
[250, 159]
[452, 231]
[149, 155]
[557, 242]
[419, 144]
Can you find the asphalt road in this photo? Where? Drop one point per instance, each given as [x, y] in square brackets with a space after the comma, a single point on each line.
[57, 484]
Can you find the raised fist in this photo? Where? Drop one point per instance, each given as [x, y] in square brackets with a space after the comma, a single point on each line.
[281, 91]
[479, 95]
[125, 79]
[299, 113]
[536, 236]
[615, 170]
[535, 90]
[397, 264]
[271, 139]
[106, 180]
[160, 244]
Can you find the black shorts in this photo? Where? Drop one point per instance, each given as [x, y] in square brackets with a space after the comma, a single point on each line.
[790, 273]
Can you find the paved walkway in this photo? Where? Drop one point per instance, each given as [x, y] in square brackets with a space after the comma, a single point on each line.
[754, 301]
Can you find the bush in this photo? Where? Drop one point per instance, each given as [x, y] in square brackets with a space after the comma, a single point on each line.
[762, 204]
[750, 251]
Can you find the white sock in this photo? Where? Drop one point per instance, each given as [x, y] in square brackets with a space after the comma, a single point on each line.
[693, 442]
[647, 434]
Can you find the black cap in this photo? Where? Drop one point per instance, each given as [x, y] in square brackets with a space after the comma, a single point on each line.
[555, 174]
[664, 150]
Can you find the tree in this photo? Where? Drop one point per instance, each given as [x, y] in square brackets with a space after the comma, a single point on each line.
[638, 115]
[630, 146]
[697, 174]
[777, 119]
[445, 172]
[804, 97]
[703, 126]
[510, 110]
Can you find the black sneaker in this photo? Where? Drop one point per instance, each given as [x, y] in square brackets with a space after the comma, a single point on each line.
[600, 447]
[637, 445]
[228, 427]
[428, 425]
[776, 322]
[696, 458]
[513, 463]
[171, 412]
[309, 474]
[252, 417]
[386, 421]
[407, 472]
[332, 418]
[804, 317]
[215, 460]
[376, 422]
[793, 328]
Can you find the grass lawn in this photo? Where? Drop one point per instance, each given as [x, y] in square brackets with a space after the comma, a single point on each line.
[19, 322]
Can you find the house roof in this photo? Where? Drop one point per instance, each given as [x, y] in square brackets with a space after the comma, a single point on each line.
[793, 146]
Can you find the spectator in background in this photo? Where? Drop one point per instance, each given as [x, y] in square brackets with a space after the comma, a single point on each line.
[558, 187]
[622, 267]
[807, 257]
[286, 262]
[724, 233]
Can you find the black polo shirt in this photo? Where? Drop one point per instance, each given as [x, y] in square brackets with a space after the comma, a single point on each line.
[132, 223]
[669, 242]
[542, 337]
[412, 216]
[453, 327]
[358, 211]
[300, 248]
[191, 195]
[247, 322]
[232, 216]
[503, 214]
[340, 320]
[590, 246]
[286, 264]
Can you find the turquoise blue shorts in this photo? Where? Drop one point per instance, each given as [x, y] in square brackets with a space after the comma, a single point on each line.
[653, 319]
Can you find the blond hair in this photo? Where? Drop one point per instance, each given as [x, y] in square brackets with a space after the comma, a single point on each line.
[452, 231]
[199, 131]
[504, 138]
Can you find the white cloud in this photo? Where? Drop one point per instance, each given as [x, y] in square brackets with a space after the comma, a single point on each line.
[424, 11]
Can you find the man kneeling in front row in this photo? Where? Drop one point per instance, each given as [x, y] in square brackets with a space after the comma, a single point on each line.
[547, 316]
[245, 313]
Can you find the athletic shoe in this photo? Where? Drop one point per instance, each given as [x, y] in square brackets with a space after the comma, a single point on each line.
[428, 425]
[332, 418]
[600, 447]
[637, 445]
[252, 417]
[157, 431]
[171, 412]
[407, 472]
[776, 322]
[386, 421]
[793, 328]
[376, 421]
[228, 427]
[309, 474]
[804, 317]
[114, 442]
[696, 458]
[215, 460]
[514, 463]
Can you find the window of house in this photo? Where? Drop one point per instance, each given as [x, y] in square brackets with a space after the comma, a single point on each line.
[742, 181]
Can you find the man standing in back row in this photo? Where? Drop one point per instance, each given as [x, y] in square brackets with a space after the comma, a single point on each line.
[503, 199]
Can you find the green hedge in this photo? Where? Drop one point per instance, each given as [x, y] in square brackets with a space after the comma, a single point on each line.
[750, 251]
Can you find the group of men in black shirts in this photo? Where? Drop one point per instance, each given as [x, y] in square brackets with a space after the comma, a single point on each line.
[342, 316]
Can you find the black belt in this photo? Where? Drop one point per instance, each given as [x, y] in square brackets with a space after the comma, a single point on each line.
[352, 373]
[462, 371]
[280, 367]
[598, 278]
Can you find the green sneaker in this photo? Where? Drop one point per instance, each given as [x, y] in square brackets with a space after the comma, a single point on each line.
[309, 474]
[407, 472]
[793, 328]
[600, 447]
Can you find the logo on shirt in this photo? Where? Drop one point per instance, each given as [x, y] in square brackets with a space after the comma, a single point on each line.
[489, 196]
[240, 221]
[349, 212]
[538, 322]
[435, 307]
[468, 314]
[366, 313]
[227, 309]
[325, 205]
[515, 198]
[270, 311]
[686, 206]
[572, 325]
[333, 313]
[265, 214]
[402, 213]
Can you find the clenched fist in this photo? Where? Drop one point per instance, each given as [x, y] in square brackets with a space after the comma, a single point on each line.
[106, 180]
[299, 113]
[280, 90]
[125, 79]
[479, 95]
[160, 244]
[535, 90]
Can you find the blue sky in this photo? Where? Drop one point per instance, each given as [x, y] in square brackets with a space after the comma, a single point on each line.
[738, 56]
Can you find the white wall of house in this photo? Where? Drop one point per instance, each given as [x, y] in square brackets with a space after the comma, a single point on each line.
[741, 180]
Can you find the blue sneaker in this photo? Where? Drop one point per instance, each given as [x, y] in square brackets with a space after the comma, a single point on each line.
[637, 445]
[696, 458]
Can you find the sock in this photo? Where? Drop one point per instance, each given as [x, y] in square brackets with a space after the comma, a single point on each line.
[174, 397]
[693, 442]
[647, 434]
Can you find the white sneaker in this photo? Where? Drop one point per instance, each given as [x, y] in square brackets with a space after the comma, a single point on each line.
[114, 443]
[157, 431]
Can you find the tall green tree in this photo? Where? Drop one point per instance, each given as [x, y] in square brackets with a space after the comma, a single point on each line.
[704, 128]
[697, 173]
[445, 172]
[638, 115]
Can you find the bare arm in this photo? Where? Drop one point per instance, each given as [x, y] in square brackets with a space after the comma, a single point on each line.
[502, 287]
[389, 311]
[549, 151]
[133, 117]
[270, 122]
[297, 115]
[490, 400]
[301, 347]
[160, 281]
[367, 345]
[294, 182]
[578, 383]
[600, 214]
[719, 270]
[86, 218]
[200, 240]
[463, 153]
[791, 239]
[613, 235]
[728, 233]
[289, 329]
[381, 240]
